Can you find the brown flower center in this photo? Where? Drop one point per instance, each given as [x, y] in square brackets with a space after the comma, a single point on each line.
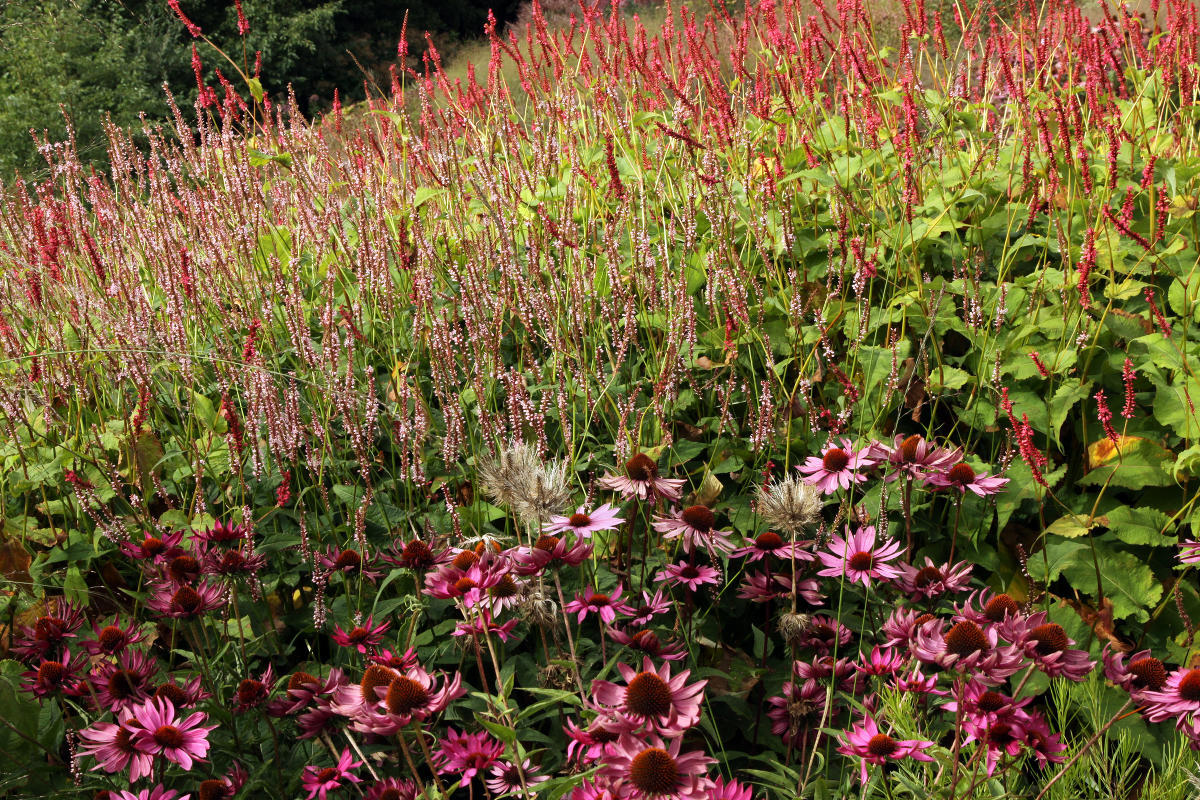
[645, 641]
[965, 639]
[926, 576]
[212, 789]
[648, 695]
[404, 694]
[416, 553]
[1000, 607]
[327, 774]
[1148, 673]
[654, 771]
[49, 629]
[599, 599]
[348, 559]
[506, 587]
[990, 702]
[579, 520]
[699, 517]
[835, 460]
[51, 673]
[123, 741]
[1189, 687]
[464, 585]
[358, 635]
[171, 692]
[921, 620]
[908, 448]
[187, 600]
[391, 794]
[183, 568]
[168, 736]
[123, 684]
[251, 692]
[111, 639]
[298, 679]
[768, 541]
[882, 745]
[960, 474]
[641, 468]
[862, 561]
[465, 560]
[1050, 638]
[375, 676]
[152, 546]
[1000, 734]
[546, 542]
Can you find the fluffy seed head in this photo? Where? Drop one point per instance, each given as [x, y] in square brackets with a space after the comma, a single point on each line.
[789, 504]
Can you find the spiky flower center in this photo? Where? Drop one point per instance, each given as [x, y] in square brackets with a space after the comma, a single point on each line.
[51, 673]
[908, 448]
[391, 794]
[999, 607]
[599, 599]
[152, 546]
[862, 561]
[646, 641]
[298, 679]
[654, 771]
[926, 576]
[404, 695]
[1000, 734]
[168, 736]
[327, 774]
[700, 518]
[187, 600]
[465, 560]
[768, 541]
[990, 702]
[111, 639]
[123, 684]
[1050, 638]
[506, 587]
[546, 542]
[123, 741]
[965, 639]
[1189, 687]
[641, 468]
[49, 629]
[348, 559]
[881, 745]
[358, 635]
[689, 572]
[212, 789]
[251, 692]
[1148, 672]
[579, 520]
[464, 585]
[374, 677]
[648, 695]
[183, 568]
[921, 620]
[169, 691]
[835, 460]
[960, 474]
[417, 553]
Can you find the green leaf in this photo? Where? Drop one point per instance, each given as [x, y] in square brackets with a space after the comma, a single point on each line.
[1058, 555]
[943, 377]
[1064, 399]
[1142, 463]
[1071, 526]
[1139, 526]
[256, 89]
[1127, 580]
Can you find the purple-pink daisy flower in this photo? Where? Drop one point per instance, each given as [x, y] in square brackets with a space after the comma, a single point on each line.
[875, 747]
[693, 576]
[838, 466]
[857, 558]
[583, 524]
[320, 781]
[161, 733]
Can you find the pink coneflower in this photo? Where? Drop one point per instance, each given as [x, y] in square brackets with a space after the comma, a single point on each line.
[966, 648]
[762, 586]
[932, 581]
[185, 602]
[772, 544]
[49, 632]
[695, 526]
[412, 696]
[837, 466]
[468, 584]
[362, 637]
[820, 669]
[652, 700]
[647, 643]
[587, 745]
[1048, 645]
[112, 639]
[484, 624]
[965, 479]
[225, 787]
[466, 754]
[396, 661]
[733, 790]
[126, 683]
[693, 576]
[188, 695]
[642, 481]
[916, 682]
[1189, 552]
[319, 782]
[866, 741]
[505, 593]
[505, 777]
[916, 458]
[1143, 672]
[983, 706]
[54, 676]
[1179, 696]
[302, 688]
[157, 793]
[182, 569]
[111, 744]
[349, 561]
[253, 692]
[548, 551]
[984, 608]
[603, 604]
[881, 662]
[222, 533]
[652, 768]
[583, 524]
[856, 557]
[823, 634]
[160, 732]
[650, 607]
[391, 789]
[154, 548]
[900, 628]
[796, 714]
[417, 555]
[599, 789]
[230, 562]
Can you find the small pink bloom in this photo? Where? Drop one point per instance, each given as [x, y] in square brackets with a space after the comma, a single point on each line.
[838, 466]
[320, 781]
[466, 754]
[641, 480]
[857, 558]
[866, 741]
[584, 524]
[504, 777]
[160, 732]
[361, 637]
[965, 479]
[113, 638]
[932, 581]
[605, 605]
[185, 602]
[693, 576]
[772, 544]
[695, 526]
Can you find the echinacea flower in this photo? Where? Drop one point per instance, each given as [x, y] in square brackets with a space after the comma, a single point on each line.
[695, 527]
[224, 787]
[642, 481]
[984, 608]
[772, 544]
[222, 533]
[49, 632]
[320, 781]
[484, 624]
[391, 789]
[837, 466]
[587, 745]
[693, 576]
[253, 692]
[916, 458]
[732, 790]
[190, 694]
[113, 638]
[408, 697]
[652, 768]
[160, 732]
[1178, 697]
[548, 551]
[650, 607]
[1189, 552]
[652, 700]
[154, 548]
[128, 682]
[605, 605]
[185, 602]
[505, 777]
[362, 637]
[54, 676]
[858, 559]
[647, 643]
[417, 555]
[1048, 645]
[983, 706]
[881, 662]
[968, 649]
[466, 754]
[584, 524]
[931, 580]
[965, 479]
[158, 792]
[874, 747]
[822, 633]
[1143, 672]
[111, 744]
[468, 584]
[349, 561]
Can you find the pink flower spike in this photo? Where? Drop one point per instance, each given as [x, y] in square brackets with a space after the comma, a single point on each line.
[838, 466]
[319, 782]
[866, 741]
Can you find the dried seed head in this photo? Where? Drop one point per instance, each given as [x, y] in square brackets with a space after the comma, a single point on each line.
[537, 609]
[789, 505]
[518, 478]
[792, 627]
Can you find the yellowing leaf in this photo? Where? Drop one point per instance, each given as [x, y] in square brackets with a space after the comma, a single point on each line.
[1104, 450]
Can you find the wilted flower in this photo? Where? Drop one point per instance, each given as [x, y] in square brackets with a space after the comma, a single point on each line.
[518, 478]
